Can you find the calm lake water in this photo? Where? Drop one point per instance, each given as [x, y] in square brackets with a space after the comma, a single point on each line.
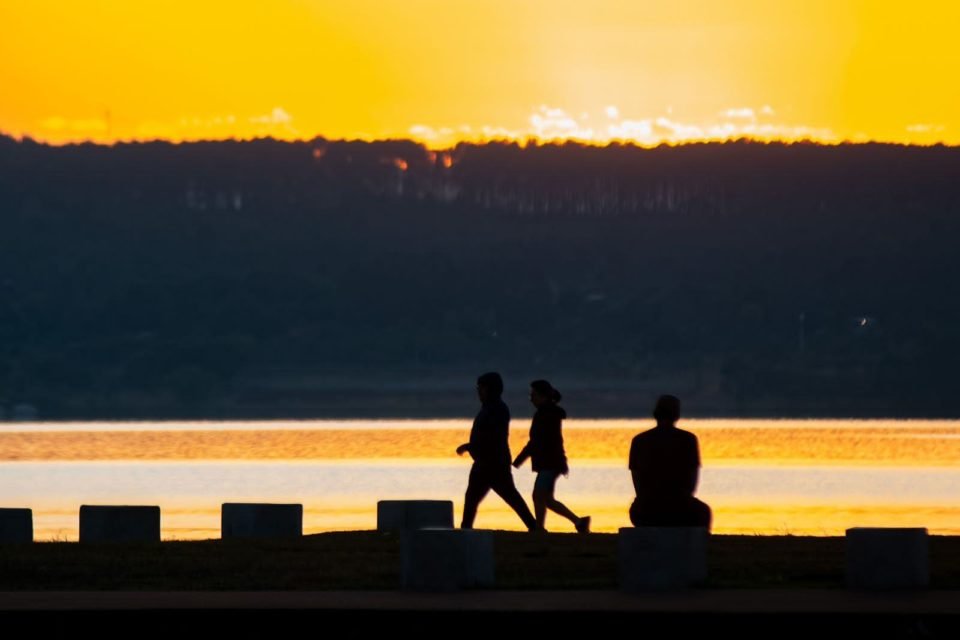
[810, 477]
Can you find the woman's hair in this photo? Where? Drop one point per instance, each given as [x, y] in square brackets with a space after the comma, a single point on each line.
[545, 389]
[492, 382]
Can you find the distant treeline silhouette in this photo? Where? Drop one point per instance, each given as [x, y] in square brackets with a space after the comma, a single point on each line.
[272, 277]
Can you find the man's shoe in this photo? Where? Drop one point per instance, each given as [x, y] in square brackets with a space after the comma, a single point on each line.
[583, 525]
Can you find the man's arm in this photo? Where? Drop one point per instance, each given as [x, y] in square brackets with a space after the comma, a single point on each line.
[692, 479]
[634, 464]
[693, 466]
[636, 481]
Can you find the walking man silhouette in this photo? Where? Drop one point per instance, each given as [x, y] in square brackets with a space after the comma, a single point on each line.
[490, 450]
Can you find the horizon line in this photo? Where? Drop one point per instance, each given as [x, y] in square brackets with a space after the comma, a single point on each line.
[523, 142]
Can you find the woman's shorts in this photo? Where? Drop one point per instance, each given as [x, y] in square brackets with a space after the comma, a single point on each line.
[546, 481]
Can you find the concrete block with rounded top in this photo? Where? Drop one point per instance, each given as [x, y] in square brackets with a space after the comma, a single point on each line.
[446, 559]
[403, 515]
[660, 558]
[16, 525]
[887, 558]
[119, 524]
[242, 520]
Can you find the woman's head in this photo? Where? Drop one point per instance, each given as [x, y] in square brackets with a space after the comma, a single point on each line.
[542, 393]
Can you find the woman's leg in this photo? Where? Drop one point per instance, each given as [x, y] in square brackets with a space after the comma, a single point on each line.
[558, 507]
[543, 490]
[542, 494]
[540, 508]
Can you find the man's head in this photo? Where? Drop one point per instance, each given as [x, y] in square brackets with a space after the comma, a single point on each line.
[667, 410]
[489, 386]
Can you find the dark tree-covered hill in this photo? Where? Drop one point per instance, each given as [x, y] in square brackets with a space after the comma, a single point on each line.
[332, 278]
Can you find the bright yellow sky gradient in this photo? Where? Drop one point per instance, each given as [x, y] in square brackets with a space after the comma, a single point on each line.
[442, 70]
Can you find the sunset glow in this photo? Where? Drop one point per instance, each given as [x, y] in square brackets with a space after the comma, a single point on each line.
[442, 72]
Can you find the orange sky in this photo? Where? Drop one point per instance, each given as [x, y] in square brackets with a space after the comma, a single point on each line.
[442, 70]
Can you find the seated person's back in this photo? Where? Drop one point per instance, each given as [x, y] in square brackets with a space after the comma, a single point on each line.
[665, 465]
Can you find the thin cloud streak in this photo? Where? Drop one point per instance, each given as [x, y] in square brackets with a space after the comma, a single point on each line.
[553, 124]
[277, 123]
[925, 128]
[546, 123]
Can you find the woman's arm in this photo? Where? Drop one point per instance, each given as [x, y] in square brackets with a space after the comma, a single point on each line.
[522, 456]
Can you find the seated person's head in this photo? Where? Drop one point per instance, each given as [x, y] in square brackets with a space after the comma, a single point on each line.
[667, 410]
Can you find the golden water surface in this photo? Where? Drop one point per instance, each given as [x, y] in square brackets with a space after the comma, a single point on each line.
[760, 476]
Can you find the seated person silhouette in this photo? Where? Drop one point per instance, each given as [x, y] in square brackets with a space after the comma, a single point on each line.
[665, 464]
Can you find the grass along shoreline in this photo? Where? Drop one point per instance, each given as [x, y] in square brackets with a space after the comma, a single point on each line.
[368, 560]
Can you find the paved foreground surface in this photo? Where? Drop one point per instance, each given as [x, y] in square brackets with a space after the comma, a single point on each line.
[747, 613]
[705, 601]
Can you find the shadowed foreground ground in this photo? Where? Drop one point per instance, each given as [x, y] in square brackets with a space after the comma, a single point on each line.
[760, 587]
[370, 561]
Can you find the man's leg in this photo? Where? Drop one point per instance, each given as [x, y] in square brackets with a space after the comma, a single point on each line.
[477, 488]
[503, 485]
[700, 514]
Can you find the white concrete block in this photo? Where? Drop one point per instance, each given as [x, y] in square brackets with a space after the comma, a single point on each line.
[659, 558]
[16, 525]
[119, 524]
[887, 558]
[446, 559]
[253, 520]
[403, 515]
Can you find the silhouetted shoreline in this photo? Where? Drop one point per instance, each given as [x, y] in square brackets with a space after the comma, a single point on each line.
[348, 398]
[389, 411]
